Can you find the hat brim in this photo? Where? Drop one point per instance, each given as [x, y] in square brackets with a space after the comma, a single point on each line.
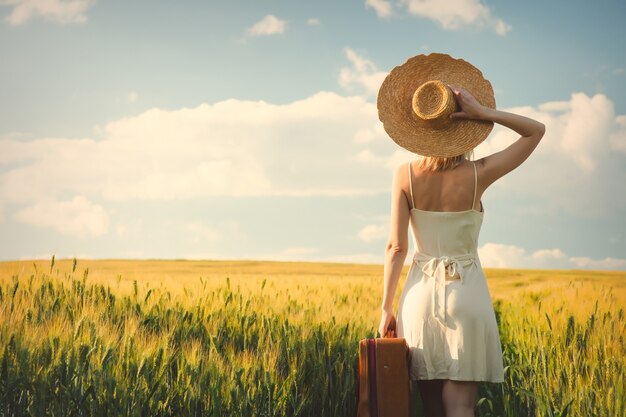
[452, 137]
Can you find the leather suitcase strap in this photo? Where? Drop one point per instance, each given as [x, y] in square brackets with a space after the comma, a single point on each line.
[363, 404]
[372, 371]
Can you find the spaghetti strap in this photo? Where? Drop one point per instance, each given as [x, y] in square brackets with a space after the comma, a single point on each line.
[475, 185]
[411, 185]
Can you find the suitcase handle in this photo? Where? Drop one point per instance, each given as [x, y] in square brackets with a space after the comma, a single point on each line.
[391, 332]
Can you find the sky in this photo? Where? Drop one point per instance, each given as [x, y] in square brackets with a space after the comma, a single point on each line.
[249, 130]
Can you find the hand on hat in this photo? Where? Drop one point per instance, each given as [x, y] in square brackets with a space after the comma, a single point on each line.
[471, 108]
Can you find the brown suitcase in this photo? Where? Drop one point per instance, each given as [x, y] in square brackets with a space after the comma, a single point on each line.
[383, 385]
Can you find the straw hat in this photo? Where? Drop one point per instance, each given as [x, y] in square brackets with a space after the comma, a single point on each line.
[414, 103]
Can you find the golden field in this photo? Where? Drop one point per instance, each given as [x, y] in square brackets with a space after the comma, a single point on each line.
[252, 338]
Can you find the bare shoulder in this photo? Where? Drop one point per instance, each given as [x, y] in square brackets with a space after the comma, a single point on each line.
[401, 174]
[401, 180]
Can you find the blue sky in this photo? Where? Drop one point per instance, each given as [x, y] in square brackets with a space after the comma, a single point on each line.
[248, 130]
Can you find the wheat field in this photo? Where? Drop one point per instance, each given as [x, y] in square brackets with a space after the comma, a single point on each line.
[255, 338]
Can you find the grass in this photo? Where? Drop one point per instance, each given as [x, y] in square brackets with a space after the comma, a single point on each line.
[251, 338]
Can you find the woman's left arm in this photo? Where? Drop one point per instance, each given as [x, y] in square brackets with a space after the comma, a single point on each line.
[398, 242]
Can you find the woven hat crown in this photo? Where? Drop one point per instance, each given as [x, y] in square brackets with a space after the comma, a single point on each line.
[433, 103]
[415, 102]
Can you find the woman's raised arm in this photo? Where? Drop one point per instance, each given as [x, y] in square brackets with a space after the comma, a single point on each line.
[498, 164]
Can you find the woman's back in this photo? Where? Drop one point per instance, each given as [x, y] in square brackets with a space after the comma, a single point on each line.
[448, 190]
[451, 229]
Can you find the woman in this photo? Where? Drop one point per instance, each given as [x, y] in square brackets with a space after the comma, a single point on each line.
[445, 311]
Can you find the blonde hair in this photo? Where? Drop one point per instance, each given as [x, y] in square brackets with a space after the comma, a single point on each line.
[438, 163]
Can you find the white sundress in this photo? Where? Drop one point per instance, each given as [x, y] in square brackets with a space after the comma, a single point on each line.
[445, 312]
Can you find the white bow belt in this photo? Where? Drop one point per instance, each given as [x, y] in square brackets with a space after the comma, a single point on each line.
[436, 267]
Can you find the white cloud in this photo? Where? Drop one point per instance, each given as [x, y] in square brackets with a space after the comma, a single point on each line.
[313, 21]
[549, 254]
[617, 138]
[383, 8]
[189, 153]
[496, 255]
[577, 164]
[269, 25]
[606, 263]
[369, 134]
[78, 217]
[501, 27]
[59, 11]
[230, 148]
[555, 106]
[363, 73]
[455, 14]
[374, 232]
[587, 127]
